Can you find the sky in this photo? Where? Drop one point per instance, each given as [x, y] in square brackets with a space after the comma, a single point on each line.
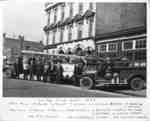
[24, 17]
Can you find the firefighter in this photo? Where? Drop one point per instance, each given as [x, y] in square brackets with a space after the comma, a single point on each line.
[25, 68]
[108, 69]
[45, 72]
[89, 51]
[59, 72]
[16, 68]
[20, 65]
[79, 50]
[52, 71]
[32, 68]
[61, 51]
[39, 70]
[29, 63]
[69, 51]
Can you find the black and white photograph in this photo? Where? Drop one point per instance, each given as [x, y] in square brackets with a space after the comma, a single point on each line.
[74, 49]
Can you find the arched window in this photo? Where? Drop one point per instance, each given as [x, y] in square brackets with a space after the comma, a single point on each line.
[80, 8]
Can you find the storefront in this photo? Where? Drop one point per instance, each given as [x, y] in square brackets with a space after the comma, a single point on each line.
[133, 47]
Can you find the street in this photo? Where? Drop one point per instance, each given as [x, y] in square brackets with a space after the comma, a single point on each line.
[25, 88]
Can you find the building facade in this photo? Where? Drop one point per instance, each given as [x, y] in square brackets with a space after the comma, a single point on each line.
[70, 27]
[121, 30]
[12, 46]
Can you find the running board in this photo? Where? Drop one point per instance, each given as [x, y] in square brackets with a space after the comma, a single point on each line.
[110, 82]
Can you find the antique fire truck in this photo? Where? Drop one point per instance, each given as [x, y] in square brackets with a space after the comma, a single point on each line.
[118, 71]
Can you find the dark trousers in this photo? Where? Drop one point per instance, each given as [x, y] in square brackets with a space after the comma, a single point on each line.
[39, 76]
[16, 73]
[45, 76]
[31, 75]
[25, 74]
[53, 78]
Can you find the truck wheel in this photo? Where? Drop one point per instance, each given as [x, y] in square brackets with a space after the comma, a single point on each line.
[137, 83]
[86, 82]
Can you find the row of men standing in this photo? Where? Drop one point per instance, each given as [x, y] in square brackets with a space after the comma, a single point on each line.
[38, 68]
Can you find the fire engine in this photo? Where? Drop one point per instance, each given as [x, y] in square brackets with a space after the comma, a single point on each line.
[118, 71]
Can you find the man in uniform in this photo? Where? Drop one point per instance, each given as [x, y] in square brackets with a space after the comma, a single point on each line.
[52, 71]
[25, 68]
[59, 72]
[45, 71]
[32, 68]
[39, 69]
[16, 68]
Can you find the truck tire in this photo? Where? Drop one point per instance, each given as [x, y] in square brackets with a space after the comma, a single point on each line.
[86, 83]
[137, 83]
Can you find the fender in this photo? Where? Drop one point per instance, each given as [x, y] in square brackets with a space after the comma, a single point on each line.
[91, 74]
[142, 75]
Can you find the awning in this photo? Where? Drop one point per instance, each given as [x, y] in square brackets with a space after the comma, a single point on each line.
[78, 17]
[89, 13]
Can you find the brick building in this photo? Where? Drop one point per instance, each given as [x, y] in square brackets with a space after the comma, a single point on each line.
[121, 30]
[14, 45]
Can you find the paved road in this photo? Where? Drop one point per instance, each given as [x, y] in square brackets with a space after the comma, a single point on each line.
[124, 90]
[24, 88]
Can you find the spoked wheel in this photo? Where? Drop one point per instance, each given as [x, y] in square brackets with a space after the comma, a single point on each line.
[86, 83]
[137, 83]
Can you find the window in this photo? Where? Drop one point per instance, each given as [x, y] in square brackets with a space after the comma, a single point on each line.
[61, 34]
[53, 51]
[71, 9]
[140, 44]
[55, 15]
[80, 8]
[69, 33]
[129, 54]
[91, 6]
[112, 47]
[14, 51]
[54, 32]
[62, 13]
[90, 28]
[140, 55]
[80, 31]
[48, 20]
[91, 19]
[128, 45]
[27, 47]
[102, 48]
[79, 34]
